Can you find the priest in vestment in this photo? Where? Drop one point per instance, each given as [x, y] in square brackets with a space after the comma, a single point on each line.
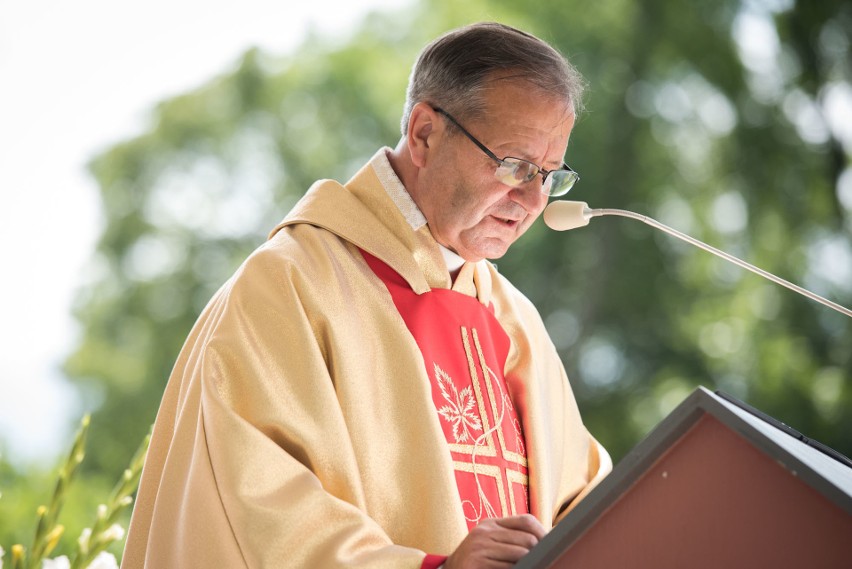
[367, 390]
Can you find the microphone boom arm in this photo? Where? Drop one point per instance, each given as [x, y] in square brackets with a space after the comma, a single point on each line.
[589, 213]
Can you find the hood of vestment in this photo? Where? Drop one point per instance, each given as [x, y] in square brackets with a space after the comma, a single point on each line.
[362, 213]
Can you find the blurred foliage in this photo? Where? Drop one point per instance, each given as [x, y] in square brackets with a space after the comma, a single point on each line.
[45, 514]
[720, 119]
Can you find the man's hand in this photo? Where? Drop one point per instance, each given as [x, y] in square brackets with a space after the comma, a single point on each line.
[497, 543]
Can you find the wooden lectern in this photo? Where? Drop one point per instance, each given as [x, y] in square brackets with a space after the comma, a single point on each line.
[715, 485]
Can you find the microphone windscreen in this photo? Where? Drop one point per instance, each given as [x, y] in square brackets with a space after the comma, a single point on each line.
[565, 215]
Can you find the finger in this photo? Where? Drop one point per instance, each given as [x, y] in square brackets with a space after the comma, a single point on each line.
[504, 552]
[491, 536]
[492, 544]
[526, 523]
[519, 538]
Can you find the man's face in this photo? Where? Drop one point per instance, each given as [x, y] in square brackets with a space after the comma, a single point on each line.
[468, 209]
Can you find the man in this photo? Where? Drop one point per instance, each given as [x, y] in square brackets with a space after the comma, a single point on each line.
[367, 390]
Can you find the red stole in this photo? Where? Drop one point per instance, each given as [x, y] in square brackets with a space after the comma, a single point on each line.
[464, 349]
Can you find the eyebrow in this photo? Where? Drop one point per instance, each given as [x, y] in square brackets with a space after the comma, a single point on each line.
[549, 165]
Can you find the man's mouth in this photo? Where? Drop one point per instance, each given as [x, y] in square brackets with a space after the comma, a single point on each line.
[509, 222]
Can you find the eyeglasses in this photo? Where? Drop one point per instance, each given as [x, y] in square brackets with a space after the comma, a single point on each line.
[516, 171]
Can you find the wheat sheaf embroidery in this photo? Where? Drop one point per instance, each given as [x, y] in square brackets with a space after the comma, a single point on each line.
[459, 410]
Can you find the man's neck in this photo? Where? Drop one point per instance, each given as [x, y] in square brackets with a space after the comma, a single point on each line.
[400, 162]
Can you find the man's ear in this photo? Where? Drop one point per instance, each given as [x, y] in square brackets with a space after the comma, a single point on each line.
[423, 126]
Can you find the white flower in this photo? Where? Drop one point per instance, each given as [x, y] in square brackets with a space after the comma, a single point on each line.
[1, 556]
[104, 560]
[83, 540]
[60, 562]
[113, 532]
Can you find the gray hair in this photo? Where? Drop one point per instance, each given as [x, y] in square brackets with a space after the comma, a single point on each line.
[455, 70]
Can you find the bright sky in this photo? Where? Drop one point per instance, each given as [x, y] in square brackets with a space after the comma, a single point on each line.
[76, 77]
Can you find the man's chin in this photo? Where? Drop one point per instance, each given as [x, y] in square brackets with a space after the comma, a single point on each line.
[494, 249]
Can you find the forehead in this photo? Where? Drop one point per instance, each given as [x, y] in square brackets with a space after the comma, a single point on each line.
[520, 118]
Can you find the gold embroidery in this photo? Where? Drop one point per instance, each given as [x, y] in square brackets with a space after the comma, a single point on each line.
[459, 410]
[488, 449]
[485, 506]
[474, 376]
[505, 399]
[515, 477]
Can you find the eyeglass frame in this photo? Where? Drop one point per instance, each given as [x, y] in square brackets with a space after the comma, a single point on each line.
[500, 161]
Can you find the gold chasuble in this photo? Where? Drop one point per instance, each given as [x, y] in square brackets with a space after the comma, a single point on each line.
[341, 403]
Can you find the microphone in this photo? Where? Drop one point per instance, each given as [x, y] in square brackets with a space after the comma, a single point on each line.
[565, 215]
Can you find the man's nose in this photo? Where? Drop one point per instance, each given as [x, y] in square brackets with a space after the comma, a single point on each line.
[529, 195]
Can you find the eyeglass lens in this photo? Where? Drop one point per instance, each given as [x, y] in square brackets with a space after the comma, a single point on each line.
[513, 172]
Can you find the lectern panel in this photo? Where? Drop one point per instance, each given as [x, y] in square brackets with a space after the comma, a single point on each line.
[714, 500]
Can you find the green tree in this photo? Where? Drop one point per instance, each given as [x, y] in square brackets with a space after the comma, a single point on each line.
[690, 119]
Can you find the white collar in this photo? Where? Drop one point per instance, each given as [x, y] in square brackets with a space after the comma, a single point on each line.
[394, 188]
[453, 260]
